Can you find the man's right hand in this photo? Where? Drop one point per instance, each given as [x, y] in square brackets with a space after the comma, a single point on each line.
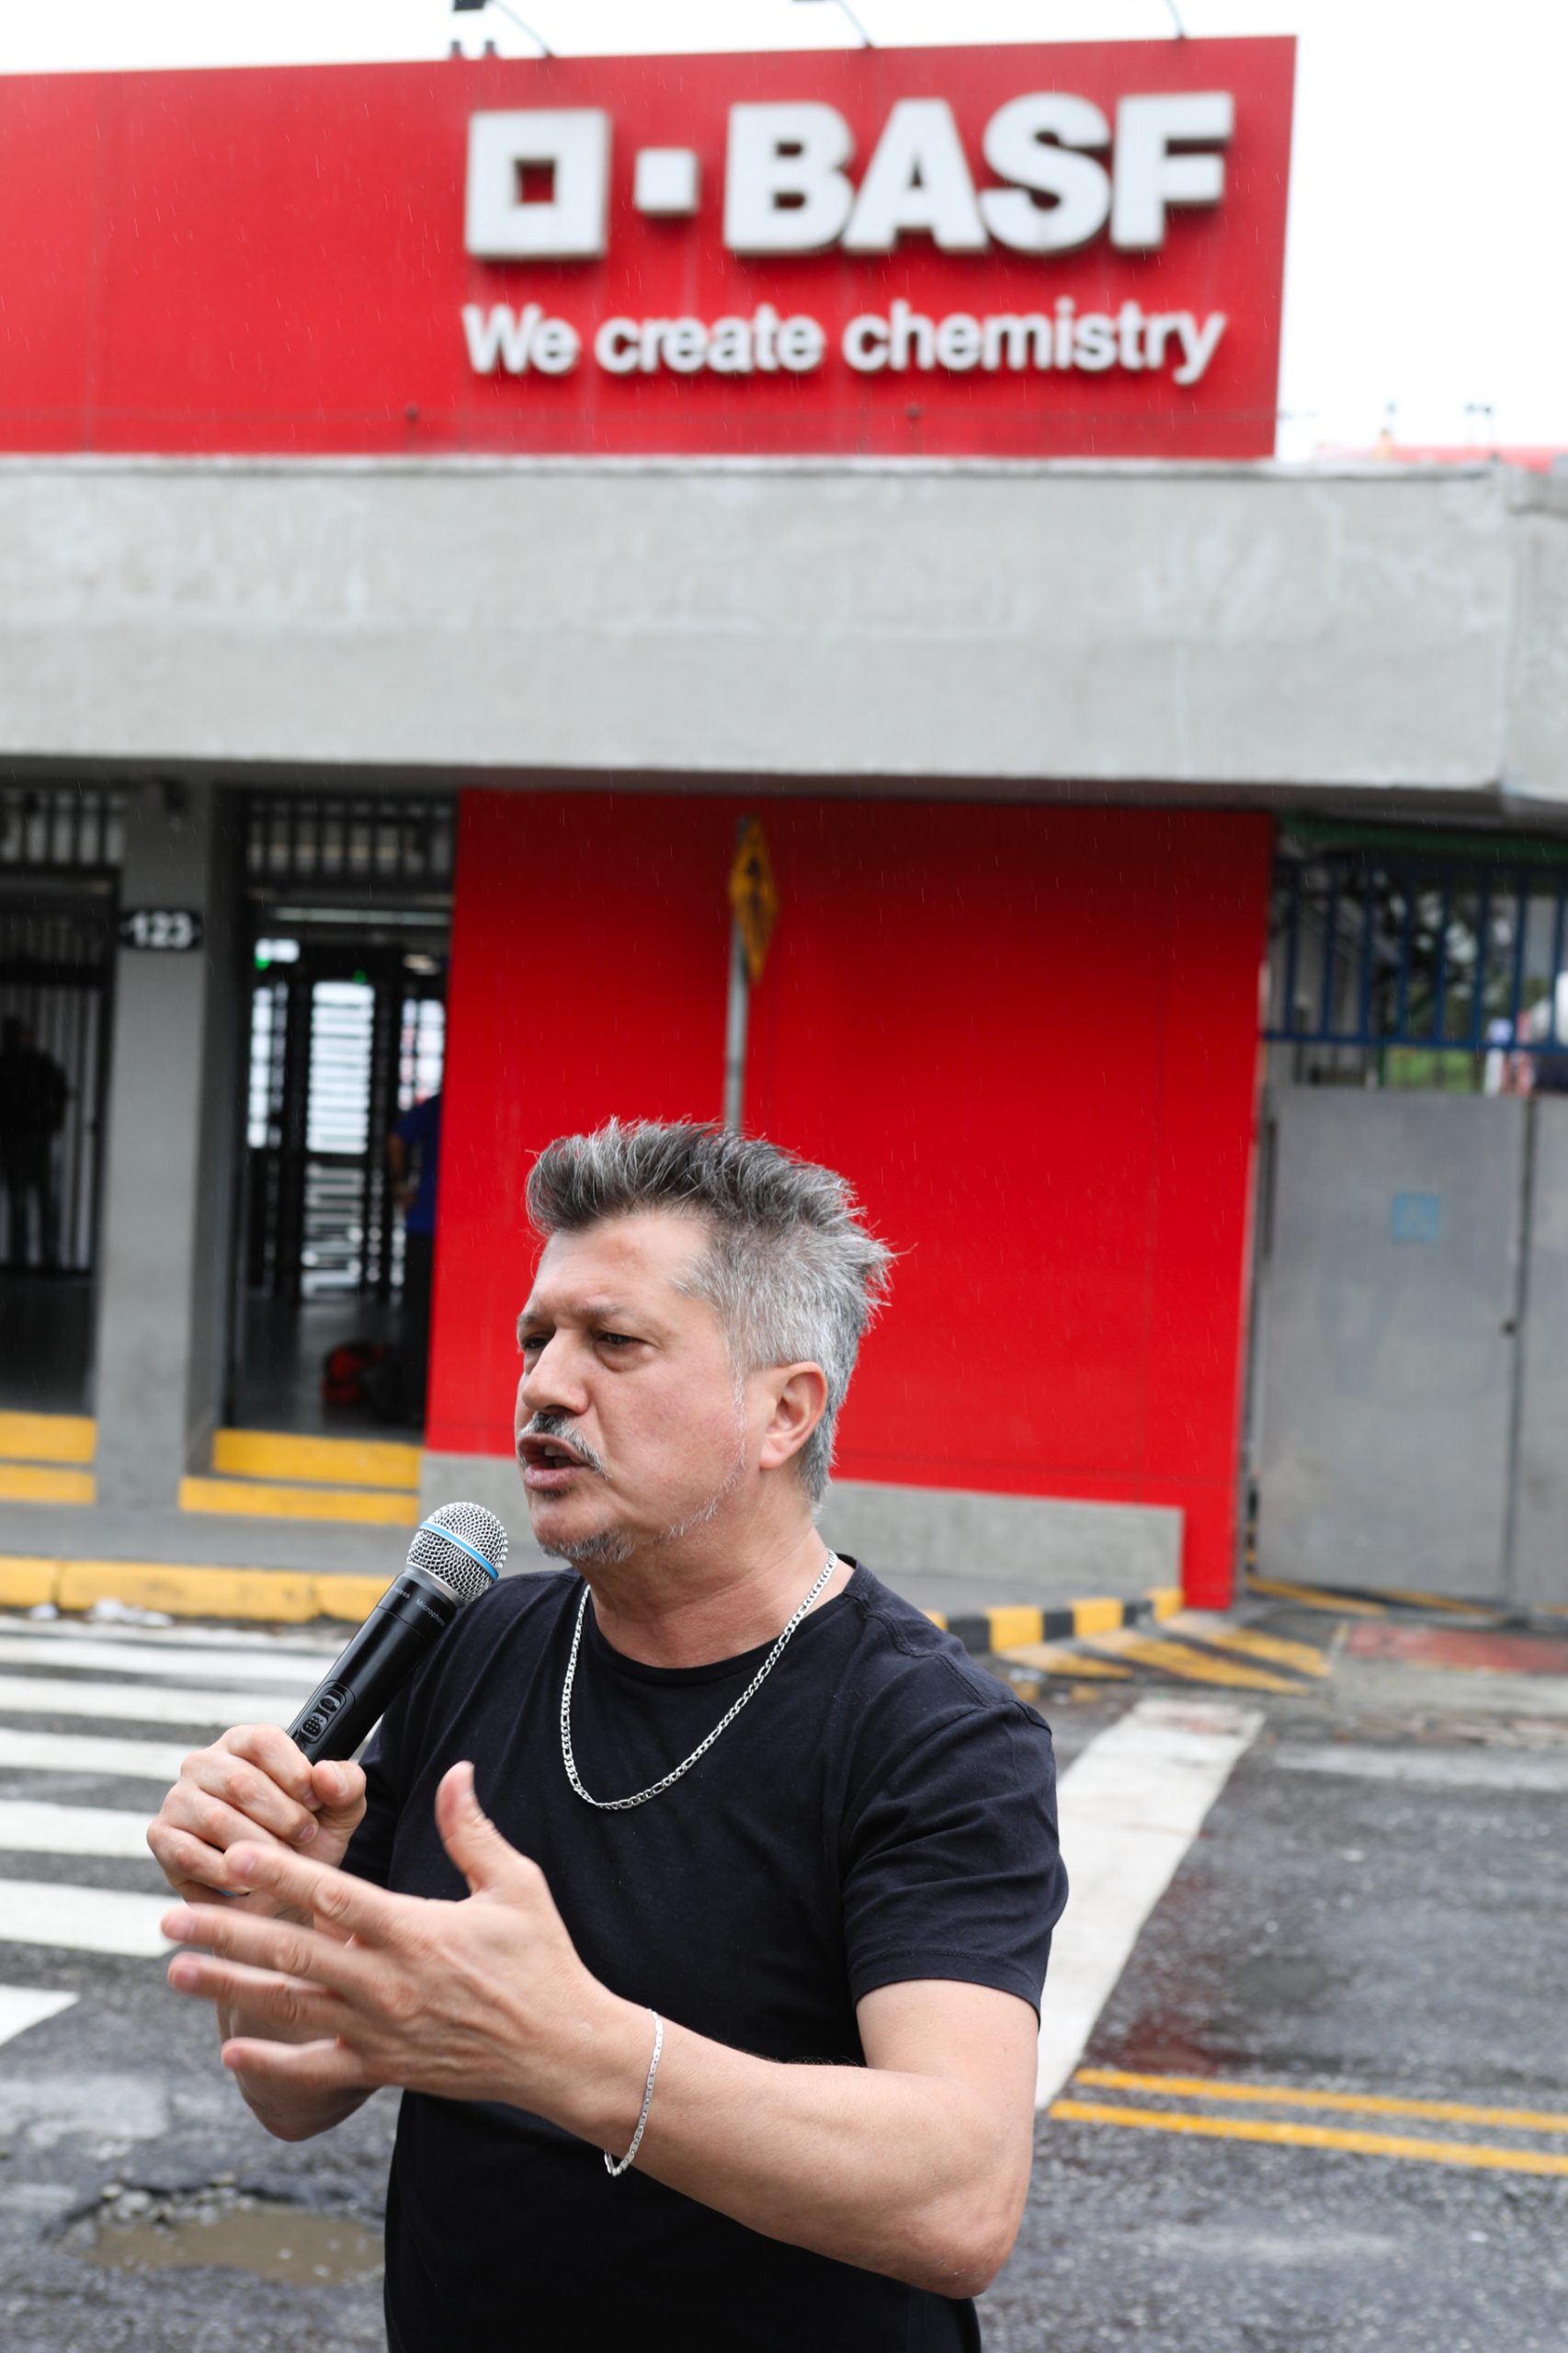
[254, 1783]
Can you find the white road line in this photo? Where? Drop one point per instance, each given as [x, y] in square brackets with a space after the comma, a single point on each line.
[1131, 1805]
[24, 2005]
[139, 1703]
[1436, 1769]
[86, 1752]
[303, 1669]
[31, 1826]
[82, 1920]
[97, 1629]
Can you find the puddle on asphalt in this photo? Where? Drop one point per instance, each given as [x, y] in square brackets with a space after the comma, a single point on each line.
[142, 2230]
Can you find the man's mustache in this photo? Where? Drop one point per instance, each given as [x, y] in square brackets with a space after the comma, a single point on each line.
[554, 1427]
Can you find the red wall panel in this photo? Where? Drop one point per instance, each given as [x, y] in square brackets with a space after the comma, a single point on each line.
[1029, 1036]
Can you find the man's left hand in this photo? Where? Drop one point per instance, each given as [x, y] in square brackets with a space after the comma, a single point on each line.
[482, 1999]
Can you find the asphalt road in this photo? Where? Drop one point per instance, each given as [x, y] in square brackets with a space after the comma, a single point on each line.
[1367, 1935]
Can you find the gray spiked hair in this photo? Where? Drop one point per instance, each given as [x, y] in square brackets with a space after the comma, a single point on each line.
[790, 1267]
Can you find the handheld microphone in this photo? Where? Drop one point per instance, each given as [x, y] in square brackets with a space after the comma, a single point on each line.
[457, 1554]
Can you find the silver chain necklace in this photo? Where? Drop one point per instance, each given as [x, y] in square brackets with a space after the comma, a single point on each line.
[620, 1805]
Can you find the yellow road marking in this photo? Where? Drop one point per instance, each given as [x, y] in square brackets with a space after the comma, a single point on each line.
[1049, 1658]
[1189, 1666]
[47, 1438]
[1244, 1639]
[1314, 2136]
[1443, 1601]
[1165, 1600]
[1313, 1596]
[1441, 2112]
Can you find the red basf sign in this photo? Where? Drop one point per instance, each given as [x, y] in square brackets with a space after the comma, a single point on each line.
[1024, 252]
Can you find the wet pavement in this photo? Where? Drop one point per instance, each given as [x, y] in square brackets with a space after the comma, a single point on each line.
[1325, 2104]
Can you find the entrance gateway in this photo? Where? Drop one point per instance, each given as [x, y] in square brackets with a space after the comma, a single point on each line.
[347, 899]
[1410, 1418]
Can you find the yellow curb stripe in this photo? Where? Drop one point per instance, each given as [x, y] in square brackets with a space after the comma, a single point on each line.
[1050, 1658]
[187, 1592]
[334, 1461]
[380, 1506]
[25, 1582]
[1312, 1597]
[1441, 2112]
[1096, 1616]
[1272, 1648]
[1164, 1601]
[36, 1483]
[1314, 2136]
[1189, 1666]
[1015, 1622]
[47, 1438]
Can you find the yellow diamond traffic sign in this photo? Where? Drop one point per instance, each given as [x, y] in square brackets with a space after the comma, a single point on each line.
[754, 896]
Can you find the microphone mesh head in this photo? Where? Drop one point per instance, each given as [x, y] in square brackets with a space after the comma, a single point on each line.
[470, 1525]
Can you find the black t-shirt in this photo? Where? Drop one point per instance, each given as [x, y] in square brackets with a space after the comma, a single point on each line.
[881, 1811]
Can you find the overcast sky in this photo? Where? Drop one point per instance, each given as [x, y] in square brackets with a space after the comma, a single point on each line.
[1428, 213]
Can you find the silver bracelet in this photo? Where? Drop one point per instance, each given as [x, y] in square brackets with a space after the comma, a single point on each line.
[612, 2167]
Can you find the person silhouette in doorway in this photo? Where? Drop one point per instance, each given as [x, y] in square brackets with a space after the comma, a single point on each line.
[33, 1096]
[412, 1152]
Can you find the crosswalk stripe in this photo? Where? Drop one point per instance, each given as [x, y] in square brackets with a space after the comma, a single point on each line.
[82, 1920]
[48, 1695]
[85, 1752]
[24, 2005]
[213, 1638]
[1132, 1802]
[30, 1827]
[301, 1669]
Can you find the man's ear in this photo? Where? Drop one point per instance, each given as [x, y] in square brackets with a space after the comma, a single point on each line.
[800, 1401]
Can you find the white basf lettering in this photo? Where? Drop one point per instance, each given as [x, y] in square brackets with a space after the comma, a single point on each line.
[569, 147]
[1150, 178]
[917, 178]
[785, 189]
[1035, 141]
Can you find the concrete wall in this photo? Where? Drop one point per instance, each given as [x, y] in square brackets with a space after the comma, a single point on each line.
[1006, 1548]
[1030, 628]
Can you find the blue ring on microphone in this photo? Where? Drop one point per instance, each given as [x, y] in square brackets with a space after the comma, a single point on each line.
[434, 1527]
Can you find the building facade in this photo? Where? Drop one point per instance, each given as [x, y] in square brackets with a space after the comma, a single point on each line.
[1109, 776]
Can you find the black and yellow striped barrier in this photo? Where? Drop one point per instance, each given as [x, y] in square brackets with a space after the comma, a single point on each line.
[991, 1633]
[1187, 1647]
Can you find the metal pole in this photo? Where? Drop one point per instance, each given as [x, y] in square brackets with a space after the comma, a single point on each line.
[735, 1032]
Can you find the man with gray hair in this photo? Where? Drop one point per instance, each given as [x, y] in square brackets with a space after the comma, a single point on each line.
[718, 2025]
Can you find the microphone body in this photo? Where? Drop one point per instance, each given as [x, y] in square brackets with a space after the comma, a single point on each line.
[414, 1610]
[455, 1554]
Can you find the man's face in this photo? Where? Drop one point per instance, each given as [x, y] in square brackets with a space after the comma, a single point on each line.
[629, 1426]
